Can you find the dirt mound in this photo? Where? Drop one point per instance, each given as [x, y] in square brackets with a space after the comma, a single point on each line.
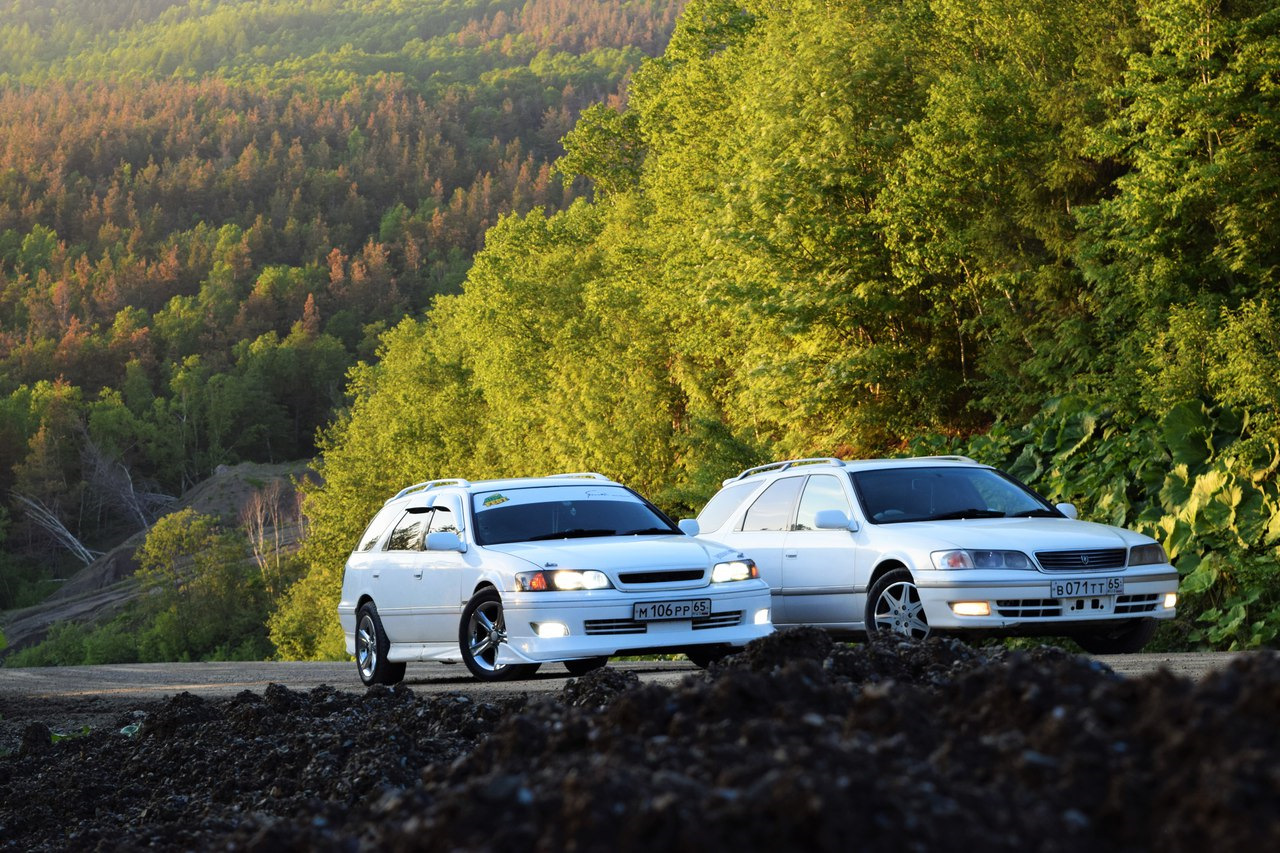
[797, 743]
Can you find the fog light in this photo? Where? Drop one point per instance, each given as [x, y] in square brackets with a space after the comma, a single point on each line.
[762, 617]
[1170, 600]
[971, 608]
[551, 630]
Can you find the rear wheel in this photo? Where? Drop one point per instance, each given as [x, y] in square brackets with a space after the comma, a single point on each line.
[481, 631]
[584, 665]
[1126, 638]
[371, 649]
[894, 606]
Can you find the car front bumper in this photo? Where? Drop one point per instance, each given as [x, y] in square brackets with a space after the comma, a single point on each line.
[604, 623]
[1027, 600]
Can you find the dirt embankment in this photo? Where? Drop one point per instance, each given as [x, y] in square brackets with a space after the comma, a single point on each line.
[794, 744]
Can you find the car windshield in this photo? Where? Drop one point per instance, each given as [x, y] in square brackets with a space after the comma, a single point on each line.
[909, 493]
[565, 512]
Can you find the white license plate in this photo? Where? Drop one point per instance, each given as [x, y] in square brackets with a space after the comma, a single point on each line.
[652, 611]
[1085, 587]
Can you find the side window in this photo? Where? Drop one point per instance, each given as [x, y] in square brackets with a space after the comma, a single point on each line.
[408, 533]
[821, 492]
[374, 531]
[723, 505]
[772, 510]
[444, 520]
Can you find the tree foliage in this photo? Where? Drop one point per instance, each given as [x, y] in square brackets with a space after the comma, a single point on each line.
[833, 227]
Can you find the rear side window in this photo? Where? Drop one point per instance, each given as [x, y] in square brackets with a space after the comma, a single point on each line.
[723, 505]
[375, 529]
[772, 510]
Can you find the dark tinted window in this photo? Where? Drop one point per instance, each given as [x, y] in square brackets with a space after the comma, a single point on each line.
[823, 491]
[408, 533]
[908, 493]
[529, 515]
[772, 510]
[723, 505]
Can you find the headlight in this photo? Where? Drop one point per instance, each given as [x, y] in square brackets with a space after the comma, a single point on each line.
[1147, 555]
[561, 579]
[734, 570]
[976, 559]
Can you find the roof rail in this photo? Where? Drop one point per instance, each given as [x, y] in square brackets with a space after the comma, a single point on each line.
[580, 475]
[951, 458]
[427, 485]
[783, 466]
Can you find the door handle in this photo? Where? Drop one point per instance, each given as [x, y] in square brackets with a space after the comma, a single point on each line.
[418, 574]
[789, 554]
[377, 575]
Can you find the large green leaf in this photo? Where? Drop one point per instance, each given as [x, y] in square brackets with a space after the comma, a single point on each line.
[1188, 431]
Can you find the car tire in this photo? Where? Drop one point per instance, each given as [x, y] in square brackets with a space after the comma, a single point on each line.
[893, 607]
[480, 632]
[582, 666]
[704, 656]
[371, 649]
[1126, 638]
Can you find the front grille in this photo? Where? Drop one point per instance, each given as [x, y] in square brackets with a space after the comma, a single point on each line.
[1076, 561]
[1028, 608]
[718, 620]
[599, 627]
[673, 576]
[1137, 603]
[606, 627]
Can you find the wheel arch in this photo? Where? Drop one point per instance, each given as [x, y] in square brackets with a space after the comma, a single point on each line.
[884, 568]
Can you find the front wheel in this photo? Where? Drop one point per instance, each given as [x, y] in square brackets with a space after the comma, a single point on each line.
[894, 606]
[371, 649]
[1126, 638]
[481, 631]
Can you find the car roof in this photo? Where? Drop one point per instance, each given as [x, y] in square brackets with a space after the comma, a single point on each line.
[764, 471]
[471, 487]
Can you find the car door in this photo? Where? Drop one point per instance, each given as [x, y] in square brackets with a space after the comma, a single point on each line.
[762, 532]
[818, 566]
[442, 576]
[398, 589]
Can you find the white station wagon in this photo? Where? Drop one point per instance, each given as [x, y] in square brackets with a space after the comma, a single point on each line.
[505, 575]
[937, 544]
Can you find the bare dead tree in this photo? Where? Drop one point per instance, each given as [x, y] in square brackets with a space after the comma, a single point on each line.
[265, 517]
[112, 484]
[47, 520]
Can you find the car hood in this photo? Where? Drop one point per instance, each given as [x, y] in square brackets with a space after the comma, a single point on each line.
[1015, 534]
[612, 553]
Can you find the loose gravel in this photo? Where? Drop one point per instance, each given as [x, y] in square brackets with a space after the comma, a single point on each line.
[795, 743]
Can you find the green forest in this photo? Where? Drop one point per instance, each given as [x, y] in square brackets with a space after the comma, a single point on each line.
[1043, 234]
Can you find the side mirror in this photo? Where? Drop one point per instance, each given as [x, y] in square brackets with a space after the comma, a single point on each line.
[1069, 510]
[445, 540]
[833, 519]
[689, 526]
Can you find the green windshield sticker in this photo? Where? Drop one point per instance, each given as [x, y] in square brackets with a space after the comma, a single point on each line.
[494, 500]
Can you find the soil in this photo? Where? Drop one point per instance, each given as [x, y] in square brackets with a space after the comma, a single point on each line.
[796, 743]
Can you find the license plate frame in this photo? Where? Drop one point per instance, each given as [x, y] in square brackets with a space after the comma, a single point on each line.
[1086, 587]
[668, 611]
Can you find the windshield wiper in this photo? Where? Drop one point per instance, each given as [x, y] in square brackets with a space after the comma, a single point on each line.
[1039, 512]
[648, 531]
[966, 513]
[573, 533]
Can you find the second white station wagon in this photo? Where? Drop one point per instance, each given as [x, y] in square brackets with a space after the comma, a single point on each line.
[505, 575]
[937, 544]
